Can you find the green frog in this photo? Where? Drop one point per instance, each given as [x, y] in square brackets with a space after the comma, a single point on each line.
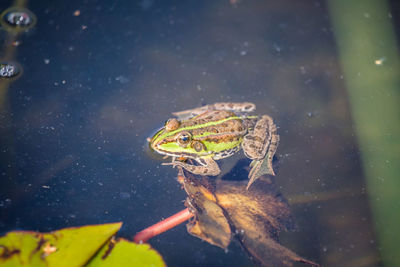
[213, 132]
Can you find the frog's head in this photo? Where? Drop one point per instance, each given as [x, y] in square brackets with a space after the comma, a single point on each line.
[176, 141]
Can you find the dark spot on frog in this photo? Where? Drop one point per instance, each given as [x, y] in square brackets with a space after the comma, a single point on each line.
[6, 253]
[249, 137]
[214, 130]
[197, 146]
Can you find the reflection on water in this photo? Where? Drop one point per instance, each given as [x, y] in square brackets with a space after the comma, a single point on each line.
[95, 86]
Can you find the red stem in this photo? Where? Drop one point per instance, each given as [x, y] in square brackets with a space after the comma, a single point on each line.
[162, 226]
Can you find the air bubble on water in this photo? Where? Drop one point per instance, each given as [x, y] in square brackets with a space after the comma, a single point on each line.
[16, 19]
[9, 70]
[20, 19]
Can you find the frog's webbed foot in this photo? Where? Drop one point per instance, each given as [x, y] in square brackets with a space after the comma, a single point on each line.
[257, 170]
[260, 145]
[207, 166]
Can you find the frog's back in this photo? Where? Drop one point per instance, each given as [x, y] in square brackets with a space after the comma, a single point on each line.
[214, 122]
[209, 116]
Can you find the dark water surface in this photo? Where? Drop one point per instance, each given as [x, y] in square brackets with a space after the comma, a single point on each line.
[95, 86]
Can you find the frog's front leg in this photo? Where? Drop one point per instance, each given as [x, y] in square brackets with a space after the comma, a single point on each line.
[207, 166]
[262, 141]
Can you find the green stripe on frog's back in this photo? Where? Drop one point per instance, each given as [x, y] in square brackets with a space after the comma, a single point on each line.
[213, 147]
[222, 146]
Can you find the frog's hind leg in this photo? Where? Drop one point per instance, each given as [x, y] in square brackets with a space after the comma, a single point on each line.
[261, 142]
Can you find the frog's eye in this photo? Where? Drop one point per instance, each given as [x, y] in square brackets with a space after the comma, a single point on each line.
[183, 139]
[171, 124]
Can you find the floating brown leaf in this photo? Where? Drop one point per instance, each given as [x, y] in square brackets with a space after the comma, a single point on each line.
[255, 216]
[210, 223]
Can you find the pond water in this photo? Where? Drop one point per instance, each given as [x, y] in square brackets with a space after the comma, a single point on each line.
[99, 77]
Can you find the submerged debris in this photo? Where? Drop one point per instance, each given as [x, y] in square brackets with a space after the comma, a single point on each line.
[255, 216]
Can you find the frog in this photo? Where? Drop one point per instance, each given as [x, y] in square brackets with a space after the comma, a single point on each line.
[213, 132]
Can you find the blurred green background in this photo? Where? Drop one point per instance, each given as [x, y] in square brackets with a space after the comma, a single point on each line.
[369, 57]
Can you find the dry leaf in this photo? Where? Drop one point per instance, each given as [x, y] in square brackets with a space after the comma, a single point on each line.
[255, 216]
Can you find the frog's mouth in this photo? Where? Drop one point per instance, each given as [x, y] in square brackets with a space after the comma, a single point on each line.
[151, 145]
[175, 155]
[151, 140]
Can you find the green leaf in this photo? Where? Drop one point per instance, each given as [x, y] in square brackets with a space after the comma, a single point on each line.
[19, 249]
[66, 247]
[121, 252]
